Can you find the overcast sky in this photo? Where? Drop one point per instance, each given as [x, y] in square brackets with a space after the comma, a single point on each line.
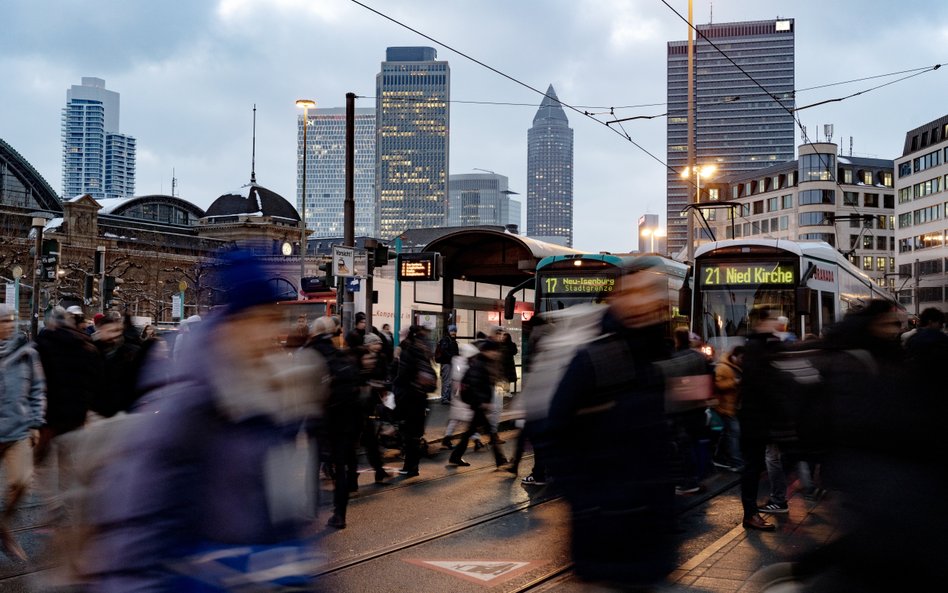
[189, 73]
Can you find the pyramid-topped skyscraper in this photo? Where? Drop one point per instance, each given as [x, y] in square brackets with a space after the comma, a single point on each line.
[550, 174]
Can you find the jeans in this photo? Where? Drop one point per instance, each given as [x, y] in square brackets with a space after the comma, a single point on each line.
[729, 443]
[446, 382]
[778, 479]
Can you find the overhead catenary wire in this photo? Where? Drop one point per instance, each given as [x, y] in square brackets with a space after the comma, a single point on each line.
[792, 112]
[514, 80]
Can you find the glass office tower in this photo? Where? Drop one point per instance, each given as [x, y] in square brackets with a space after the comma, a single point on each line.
[326, 174]
[412, 122]
[550, 174]
[738, 127]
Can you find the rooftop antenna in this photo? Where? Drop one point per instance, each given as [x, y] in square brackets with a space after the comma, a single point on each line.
[253, 149]
[828, 132]
[174, 182]
[850, 146]
[710, 12]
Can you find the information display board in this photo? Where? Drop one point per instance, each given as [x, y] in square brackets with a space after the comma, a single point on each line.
[418, 267]
[578, 285]
[747, 274]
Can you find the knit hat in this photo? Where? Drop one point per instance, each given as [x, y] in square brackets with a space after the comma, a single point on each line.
[75, 310]
[452, 329]
[371, 339]
[247, 282]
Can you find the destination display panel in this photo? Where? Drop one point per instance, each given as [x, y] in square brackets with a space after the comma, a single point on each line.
[747, 274]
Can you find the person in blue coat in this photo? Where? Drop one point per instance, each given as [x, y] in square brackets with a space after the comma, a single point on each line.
[210, 481]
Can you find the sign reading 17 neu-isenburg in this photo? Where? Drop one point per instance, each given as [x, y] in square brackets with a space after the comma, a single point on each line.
[349, 262]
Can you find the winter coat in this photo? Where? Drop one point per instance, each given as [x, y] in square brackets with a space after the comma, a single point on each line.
[727, 382]
[74, 376]
[22, 389]
[121, 368]
[343, 411]
[447, 349]
[477, 385]
[508, 359]
[415, 378]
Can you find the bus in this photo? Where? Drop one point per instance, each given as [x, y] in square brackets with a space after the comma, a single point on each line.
[810, 283]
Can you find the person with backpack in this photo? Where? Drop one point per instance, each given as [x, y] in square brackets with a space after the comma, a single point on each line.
[610, 442]
[727, 388]
[445, 352]
[414, 380]
[477, 391]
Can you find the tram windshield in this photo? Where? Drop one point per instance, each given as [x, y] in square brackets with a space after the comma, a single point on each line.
[730, 298]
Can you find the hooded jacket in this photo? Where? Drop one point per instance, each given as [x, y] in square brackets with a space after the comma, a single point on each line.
[22, 389]
[74, 374]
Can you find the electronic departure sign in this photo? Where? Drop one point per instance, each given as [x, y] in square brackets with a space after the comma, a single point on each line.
[419, 267]
[578, 285]
[747, 274]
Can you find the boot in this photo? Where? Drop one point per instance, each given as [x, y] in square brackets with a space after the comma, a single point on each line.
[337, 520]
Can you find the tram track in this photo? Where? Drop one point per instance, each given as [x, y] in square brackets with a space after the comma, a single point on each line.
[545, 581]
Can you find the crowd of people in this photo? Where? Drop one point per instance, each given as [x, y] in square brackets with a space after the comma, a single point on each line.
[163, 464]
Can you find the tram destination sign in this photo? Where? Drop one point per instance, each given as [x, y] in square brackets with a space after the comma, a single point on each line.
[747, 274]
[419, 267]
[578, 285]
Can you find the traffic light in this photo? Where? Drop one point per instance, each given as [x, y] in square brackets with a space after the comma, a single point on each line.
[89, 289]
[327, 268]
[380, 256]
[109, 286]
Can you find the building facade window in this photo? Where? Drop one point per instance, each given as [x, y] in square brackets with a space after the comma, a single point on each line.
[850, 198]
[847, 175]
[870, 200]
[773, 204]
[814, 219]
[817, 167]
[787, 201]
[816, 196]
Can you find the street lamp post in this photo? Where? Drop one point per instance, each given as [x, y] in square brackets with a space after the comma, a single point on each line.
[38, 224]
[697, 171]
[306, 104]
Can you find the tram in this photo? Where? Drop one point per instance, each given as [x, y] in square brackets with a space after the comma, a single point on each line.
[810, 283]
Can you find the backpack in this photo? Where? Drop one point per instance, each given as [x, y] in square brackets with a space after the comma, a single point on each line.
[569, 330]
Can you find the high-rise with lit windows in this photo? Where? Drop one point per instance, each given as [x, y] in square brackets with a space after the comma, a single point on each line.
[550, 174]
[412, 122]
[97, 159]
[738, 127]
[326, 175]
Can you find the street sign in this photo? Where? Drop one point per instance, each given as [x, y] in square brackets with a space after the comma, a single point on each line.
[353, 284]
[414, 267]
[176, 306]
[343, 261]
[11, 294]
[349, 262]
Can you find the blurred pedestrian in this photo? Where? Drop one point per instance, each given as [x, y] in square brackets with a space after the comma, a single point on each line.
[22, 401]
[74, 371]
[611, 444]
[122, 364]
[356, 336]
[727, 386]
[477, 390]
[756, 416]
[445, 352]
[343, 417]
[209, 486]
[414, 380]
[509, 362]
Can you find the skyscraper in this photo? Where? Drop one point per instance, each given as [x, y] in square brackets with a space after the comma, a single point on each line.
[326, 177]
[550, 174]
[412, 111]
[481, 198]
[738, 127]
[97, 159]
